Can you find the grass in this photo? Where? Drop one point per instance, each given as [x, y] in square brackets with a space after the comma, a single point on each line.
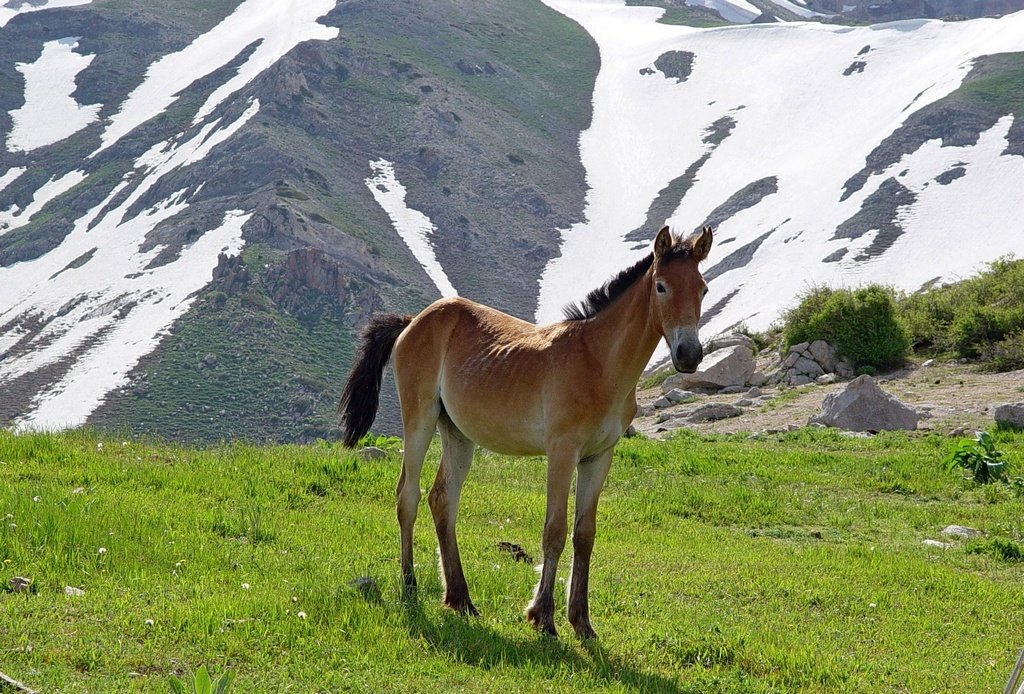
[722, 564]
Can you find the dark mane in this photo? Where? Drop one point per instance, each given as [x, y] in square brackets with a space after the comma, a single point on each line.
[602, 297]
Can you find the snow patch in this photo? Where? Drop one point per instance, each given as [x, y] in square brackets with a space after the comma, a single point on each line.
[276, 26]
[8, 13]
[102, 315]
[738, 11]
[413, 226]
[13, 217]
[11, 175]
[50, 114]
[811, 135]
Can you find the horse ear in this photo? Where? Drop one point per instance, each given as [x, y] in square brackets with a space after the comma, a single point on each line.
[663, 242]
[701, 243]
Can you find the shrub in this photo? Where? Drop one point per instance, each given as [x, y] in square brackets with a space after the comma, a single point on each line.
[980, 458]
[971, 318]
[861, 323]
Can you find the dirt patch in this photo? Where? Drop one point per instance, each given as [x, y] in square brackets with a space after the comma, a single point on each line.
[953, 398]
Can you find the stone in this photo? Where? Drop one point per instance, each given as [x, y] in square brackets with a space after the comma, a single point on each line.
[20, 584]
[730, 366]
[662, 402]
[676, 395]
[754, 392]
[825, 379]
[928, 362]
[73, 592]
[1010, 415]
[728, 340]
[732, 390]
[863, 406]
[758, 378]
[844, 369]
[824, 354]
[712, 412]
[372, 453]
[806, 366]
[937, 543]
[744, 402]
[961, 531]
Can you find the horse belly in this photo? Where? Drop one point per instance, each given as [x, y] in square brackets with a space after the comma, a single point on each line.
[497, 421]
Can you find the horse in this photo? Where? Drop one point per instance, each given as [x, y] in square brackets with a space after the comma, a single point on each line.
[565, 390]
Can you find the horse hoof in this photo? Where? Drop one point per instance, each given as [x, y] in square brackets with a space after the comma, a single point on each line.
[538, 622]
[462, 607]
[585, 632]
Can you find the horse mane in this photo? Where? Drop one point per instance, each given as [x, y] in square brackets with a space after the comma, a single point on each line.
[602, 297]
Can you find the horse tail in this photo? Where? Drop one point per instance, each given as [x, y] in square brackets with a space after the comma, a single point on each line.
[361, 397]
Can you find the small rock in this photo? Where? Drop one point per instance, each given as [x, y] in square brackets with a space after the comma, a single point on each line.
[928, 362]
[662, 402]
[728, 340]
[712, 412]
[960, 531]
[825, 379]
[73, 592]
[676, 395]
[754, 392]
[20, 584]
[758, 378]
[744, 402]
[372, 453]
[959, 431]
[937, 543]
[732, 390]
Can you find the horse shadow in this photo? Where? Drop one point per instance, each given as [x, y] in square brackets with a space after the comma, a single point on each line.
[469, 641]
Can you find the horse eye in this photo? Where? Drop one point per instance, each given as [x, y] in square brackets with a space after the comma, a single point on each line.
[660, 287]
[704, 293]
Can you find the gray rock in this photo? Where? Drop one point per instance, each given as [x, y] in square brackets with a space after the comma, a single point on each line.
[937, 543]
[844, 369]
[824, 354]
[961, 531]
[676, 395]
[732, 390]
[73, 592]
[728, 340]
[928, 362]
[806, 366]
[372, 453]
[20, 584]
[730, 366]
[825, 379]
[662, 402]
[758, 378]
[744, 402]
[799, 380]
[1010, 415]
[713, 411]
[863, 406]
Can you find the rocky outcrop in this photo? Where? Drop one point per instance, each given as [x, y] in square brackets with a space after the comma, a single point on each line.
[811, 362]
[864, 406]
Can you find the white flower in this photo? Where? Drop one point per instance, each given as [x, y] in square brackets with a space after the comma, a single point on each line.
[245, 586]
[301, 615]
[36, 499]
[102, 550]
[149, 622]
[99, 445]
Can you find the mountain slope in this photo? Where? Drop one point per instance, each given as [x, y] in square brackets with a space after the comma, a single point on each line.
[281, 110]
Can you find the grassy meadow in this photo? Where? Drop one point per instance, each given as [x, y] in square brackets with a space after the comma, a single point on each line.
[723, 564]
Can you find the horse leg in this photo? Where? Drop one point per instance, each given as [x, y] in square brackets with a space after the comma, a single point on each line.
[456, 458]
[590, 478]
[541, 610]
[418, 429]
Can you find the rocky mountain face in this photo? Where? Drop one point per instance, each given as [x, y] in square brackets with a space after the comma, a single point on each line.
[479, 113]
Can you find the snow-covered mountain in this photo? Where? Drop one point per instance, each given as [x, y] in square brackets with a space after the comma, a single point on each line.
[199, 205]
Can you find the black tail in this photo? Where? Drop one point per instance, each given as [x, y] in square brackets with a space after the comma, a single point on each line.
[359, 400]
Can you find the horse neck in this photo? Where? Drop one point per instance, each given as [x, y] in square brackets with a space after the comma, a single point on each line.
[623, 336]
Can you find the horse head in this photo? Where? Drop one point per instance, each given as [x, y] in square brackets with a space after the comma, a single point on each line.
[677, 291]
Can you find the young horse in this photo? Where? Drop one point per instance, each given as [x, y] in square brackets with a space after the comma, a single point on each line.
[566, 390]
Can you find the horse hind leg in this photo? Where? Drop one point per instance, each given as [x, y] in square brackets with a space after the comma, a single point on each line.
[456, 459]
[418, 429]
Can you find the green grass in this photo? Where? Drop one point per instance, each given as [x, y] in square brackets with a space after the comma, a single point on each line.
[721, 565]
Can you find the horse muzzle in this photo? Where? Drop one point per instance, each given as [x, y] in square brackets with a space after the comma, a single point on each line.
[685, 348]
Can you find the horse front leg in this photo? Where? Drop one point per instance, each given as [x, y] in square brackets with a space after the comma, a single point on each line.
[541, 610]
[590, 478]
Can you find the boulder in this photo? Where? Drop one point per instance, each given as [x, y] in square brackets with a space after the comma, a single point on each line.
[1010, 415]
[709, 412]
[863, 406]
[729, 366]
[676, 395]
[824, 354]
[728, 340]
[961, 531]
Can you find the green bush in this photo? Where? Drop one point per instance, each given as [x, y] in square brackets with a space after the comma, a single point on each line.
[981, 317]
[861, 323]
